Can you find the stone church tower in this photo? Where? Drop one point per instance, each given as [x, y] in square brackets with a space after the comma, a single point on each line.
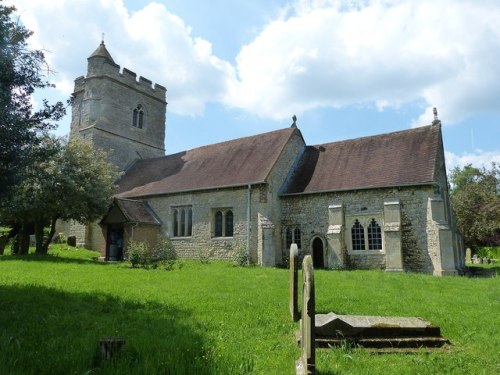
[120, 114]
[117, 112]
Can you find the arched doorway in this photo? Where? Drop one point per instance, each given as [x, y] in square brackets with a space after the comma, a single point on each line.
[318, 253]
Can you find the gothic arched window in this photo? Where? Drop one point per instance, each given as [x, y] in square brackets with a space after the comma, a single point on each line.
[138, 117]
[358, 236]
[374, 236]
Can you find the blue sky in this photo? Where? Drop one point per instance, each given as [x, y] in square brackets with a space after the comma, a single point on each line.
[346, 68]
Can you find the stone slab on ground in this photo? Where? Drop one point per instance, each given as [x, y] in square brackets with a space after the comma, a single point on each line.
[379, 333]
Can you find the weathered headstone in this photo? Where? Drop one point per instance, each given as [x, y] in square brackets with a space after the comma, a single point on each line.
[71, 241]
[294, 266]
[306, 365]
[468, 255]
[476, 259]
[3, 242]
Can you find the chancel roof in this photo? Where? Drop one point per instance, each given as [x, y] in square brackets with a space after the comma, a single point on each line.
[394, 159]
[237, 162]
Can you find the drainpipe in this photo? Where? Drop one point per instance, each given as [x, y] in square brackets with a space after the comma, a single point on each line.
[249, 192]
[132, 234]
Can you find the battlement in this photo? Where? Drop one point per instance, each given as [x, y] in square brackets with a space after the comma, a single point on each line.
[98, 67]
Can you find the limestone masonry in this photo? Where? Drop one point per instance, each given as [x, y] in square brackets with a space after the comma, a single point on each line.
[374, 202]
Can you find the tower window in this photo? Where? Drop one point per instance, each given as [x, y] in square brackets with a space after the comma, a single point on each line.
[138, 117]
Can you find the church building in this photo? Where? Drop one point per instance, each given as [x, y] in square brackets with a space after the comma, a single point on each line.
[375, 202]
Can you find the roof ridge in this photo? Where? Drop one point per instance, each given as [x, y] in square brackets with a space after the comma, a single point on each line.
[375, 136]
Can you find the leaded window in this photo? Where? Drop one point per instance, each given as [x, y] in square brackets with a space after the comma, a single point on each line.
[374, 236]
[357, 236]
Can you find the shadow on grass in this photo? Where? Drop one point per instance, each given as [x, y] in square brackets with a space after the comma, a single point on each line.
[483, 271]
[48, 331]
[54, 258]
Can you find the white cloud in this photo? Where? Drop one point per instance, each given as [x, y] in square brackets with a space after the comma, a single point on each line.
[478, 158]
[375, 52]
[152, 42]
[317, 53]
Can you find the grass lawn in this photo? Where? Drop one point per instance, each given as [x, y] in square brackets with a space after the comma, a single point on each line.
[220, 319]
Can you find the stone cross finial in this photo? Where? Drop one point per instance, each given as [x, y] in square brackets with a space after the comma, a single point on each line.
[294, 124]
[294, 266]
[306, 365]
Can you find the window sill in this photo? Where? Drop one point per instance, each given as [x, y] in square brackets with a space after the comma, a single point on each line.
[222, 238]
[366, 252]
[181, 238]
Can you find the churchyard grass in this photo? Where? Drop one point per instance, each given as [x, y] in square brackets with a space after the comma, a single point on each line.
[216, 318]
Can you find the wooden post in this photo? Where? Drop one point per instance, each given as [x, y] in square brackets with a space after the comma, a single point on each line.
[294, 308]
[110, 347]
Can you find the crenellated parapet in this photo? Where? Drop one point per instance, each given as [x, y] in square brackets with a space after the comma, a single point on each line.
[101, 64]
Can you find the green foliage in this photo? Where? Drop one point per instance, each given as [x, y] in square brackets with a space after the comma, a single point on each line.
[240, 257]
[139, 254]
[221, 319]
[475, 198]
[72, 181]
[492, 252]
[22, 129]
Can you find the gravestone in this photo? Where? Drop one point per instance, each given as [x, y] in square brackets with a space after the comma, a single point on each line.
[71, 241]
[294, 266]
[3, 242]
[376, 331]
[468, 256]
[306, 364]
[475, 259]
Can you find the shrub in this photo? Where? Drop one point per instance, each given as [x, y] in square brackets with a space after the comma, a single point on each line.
[240, 257]
[138, 254]
[164, 253]
[60, 238]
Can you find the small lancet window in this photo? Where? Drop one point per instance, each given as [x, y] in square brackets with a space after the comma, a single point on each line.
[218, 224]
[229, 224]
[176, 223]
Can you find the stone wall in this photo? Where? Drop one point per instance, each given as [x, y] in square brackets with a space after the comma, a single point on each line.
[311, 214]
[202, 243]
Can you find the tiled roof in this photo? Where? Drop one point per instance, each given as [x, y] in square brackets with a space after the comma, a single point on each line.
[394, 159]
[238, 162]
[136, 211]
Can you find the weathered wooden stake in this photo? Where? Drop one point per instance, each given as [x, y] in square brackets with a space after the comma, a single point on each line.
[110, 347]
[294, 308]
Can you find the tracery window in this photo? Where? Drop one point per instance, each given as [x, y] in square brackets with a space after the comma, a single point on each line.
[366, 233]
[138, 117]
[223, 222]
[182, 222]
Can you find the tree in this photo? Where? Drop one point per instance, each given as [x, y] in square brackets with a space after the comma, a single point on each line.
[475, 197]
[21, 128]
[69, 181]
